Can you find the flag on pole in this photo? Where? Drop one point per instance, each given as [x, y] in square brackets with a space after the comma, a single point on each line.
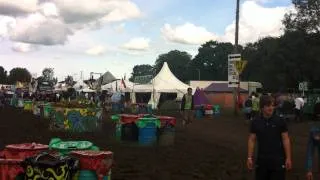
[123, 83]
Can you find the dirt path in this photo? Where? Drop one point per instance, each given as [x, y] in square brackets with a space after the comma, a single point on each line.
[206, 150]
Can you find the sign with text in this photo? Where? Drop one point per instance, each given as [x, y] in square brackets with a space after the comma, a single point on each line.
[233, 75]
[303, 86]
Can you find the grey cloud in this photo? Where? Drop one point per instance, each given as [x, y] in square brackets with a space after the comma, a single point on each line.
[50, 32]
[17, 8]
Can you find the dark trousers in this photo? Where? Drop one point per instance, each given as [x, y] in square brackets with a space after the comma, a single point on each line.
[270, 169]
[298, 114]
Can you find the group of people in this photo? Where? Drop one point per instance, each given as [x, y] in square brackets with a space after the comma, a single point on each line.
[283, 106]
[270, 132]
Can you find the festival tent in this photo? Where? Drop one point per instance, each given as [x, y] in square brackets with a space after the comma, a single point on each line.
[87, 90]
[61, 87]
[166, 82]
[106, 78]
[119, 85]
[80, 85]
[200, 97]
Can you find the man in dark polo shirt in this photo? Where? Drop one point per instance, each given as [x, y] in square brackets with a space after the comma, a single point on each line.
[274, 151]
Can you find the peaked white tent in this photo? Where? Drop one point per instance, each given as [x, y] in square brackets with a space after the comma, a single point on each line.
[166, 82]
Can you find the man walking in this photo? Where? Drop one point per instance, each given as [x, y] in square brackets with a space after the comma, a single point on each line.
[274, 151]
[187, 107]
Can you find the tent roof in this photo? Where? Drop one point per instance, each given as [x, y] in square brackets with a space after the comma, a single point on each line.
[86, 90]
[106, 78]
[80, 85]
[221, 87]
[166, 81]
[118, 84]
[200, 97]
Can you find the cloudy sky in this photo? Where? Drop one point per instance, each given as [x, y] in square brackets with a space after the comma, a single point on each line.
[114, 35]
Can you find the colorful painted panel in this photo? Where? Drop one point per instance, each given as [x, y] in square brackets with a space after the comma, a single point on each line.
[76, 119]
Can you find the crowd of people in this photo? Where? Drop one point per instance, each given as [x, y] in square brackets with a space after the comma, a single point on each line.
[284, 105]
[102, 99]
[270, 132]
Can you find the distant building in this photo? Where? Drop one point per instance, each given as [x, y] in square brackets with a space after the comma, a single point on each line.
[249, 86]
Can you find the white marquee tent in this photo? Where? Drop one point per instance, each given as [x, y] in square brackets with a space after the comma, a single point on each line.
[164, 82]
[80, 85]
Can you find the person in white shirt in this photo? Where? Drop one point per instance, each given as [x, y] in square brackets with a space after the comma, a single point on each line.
[299, 103]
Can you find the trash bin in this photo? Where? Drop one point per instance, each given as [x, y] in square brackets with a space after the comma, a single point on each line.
[28, 105]
[148, 128]
[129, 129]
[65, 147]
[22, 151]
[216, 110]
[48, 166]
[47, 110]
[116, 120]
[94, 165]
[11, 169]
[167, 130]
[208, 110]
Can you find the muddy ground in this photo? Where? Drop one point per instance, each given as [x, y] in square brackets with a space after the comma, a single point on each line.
[209, 149]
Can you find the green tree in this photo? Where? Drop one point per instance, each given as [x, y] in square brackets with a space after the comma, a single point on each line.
[141, 70]
[3, 75]
[69, 81]
[281, 63]
[266, 63]
[19, 74]
[177, 62]
[48, 74]
[306, 18]
[211, 61]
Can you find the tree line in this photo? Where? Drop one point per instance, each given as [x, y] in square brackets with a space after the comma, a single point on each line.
[23, 75]
[279, 63]
[15, 75]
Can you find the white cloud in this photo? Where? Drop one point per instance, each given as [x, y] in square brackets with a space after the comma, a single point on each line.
[122, 10]
[96, 50]
[49, 9]
[23, 47]
[83, 11]
[138, 44]
[6, 23]
[256, 22]
[38, 29]
[187, 34]
[18, 7]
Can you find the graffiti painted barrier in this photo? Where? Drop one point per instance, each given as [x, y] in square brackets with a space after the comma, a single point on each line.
[75, 119]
